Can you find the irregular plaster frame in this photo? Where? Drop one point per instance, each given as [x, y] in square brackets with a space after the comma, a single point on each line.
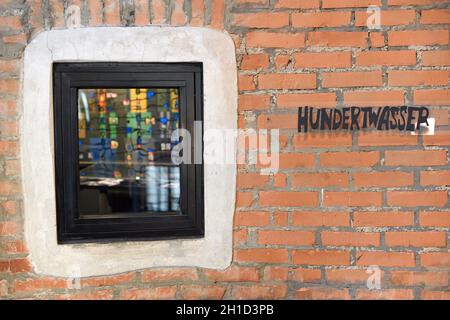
[141, 44]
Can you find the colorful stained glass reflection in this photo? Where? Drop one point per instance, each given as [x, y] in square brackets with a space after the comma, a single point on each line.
[125, 150]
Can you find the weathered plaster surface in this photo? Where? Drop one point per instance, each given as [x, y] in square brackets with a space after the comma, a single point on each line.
[150, 44]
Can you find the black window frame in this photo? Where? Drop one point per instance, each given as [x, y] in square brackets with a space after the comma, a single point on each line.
[67, 79]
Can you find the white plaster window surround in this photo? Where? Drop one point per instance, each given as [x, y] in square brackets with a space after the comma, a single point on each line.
[141, 44]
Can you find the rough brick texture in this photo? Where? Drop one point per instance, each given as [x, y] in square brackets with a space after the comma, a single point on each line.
[340, 204]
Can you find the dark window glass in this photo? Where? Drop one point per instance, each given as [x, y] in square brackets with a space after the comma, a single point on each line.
[114, 135]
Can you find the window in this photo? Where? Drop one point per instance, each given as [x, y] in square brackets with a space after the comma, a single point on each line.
[114, 136]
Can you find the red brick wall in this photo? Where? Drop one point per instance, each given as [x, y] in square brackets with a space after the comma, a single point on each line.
[340, 202]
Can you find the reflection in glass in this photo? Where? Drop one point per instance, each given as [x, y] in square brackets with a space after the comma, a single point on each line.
[124, 150]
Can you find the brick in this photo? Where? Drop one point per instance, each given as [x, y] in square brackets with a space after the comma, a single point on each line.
[240, 237]
[286, 237]
[89, 295]
[8, 228]
[388, 17]
[320, 219]
[385, 259]
[351, 199]
[158, 10]
[417, 198]
[435, 219]
[38, 284]
[434, 178]
[279, 180]
[8, 188]
[350, 239]
[337, 39]
[252, 2]
[435, 259]
[244, 199]
[440, 138]
[261, 20]
[260, 292]
[413, 2]
[386, 58]
[262, 255]
[352, 79]
[441, 117]
[57, 8]
[341, 59]
[305, 275]
[435, 16]
[322, 294]
[17, 38]
[252, 218]
[385, 294]
[251, 180]
[95, 12]
[149, 293]
[13, 246]
[282, 61]
[382, 179]
[8, 148]
[10, 86]
[415, 157]
[376, 39]
[141, 13]
[436, 58]
[9, 109]
[246, 83]
[437, 97]
[374, 98]
[417, 278]
[20, 265]
[296, 160]
[178, 17]
[176, 274]
[320, 180]
[346, 276]
[350, 159]
[287, 81]
[329, 4]
[386, 138]
[275, 273]
[262, 39]
[198, 13]
[255, 61]
[435, 295]
[217, 14]
[9, 66]
[11, 22]
[288, 199]
[295, 100]
[322, 140]
[254, 102]
[12, 167]
[296, 4]
[9, 128]
[107, 281]
[418, 78]
[233, 274]
[323, 257]
[10, 207]
[320, 19]
[111, 11]
[415, 239]
[383, 219]
[418, 38]
[198, 292]
[3, 288]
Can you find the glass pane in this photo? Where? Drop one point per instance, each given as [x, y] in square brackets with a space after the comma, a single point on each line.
[124, 150]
